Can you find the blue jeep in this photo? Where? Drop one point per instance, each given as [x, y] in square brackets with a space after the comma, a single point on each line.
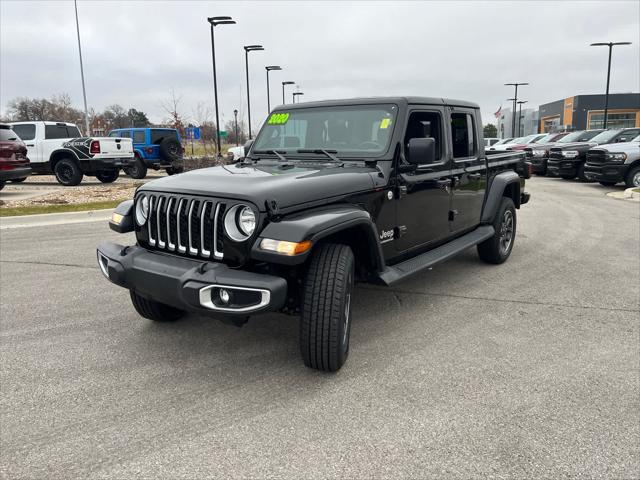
[153, 148]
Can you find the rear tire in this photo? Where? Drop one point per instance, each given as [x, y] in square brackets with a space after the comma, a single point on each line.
[108, 176]
[325, 323]
[580, 174]
[138, 170]
[156, 311]
[567, 177]
[633, 177]
[498, 248]
[2, 184]
[68, 172]
[174, 170]
[18, 180]
[607, 184]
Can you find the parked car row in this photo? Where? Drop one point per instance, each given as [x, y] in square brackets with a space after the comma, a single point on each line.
[606, 156]
[59, 148]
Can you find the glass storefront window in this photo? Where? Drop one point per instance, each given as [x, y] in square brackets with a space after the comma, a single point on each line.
[614, 120]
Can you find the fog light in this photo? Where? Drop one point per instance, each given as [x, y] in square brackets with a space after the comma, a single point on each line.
[224, 295]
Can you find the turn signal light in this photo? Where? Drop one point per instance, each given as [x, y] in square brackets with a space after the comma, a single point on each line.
[285, 248]
[116, 218]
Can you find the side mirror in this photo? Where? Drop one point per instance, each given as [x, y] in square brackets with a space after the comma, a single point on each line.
[422, 150]
[247, 146]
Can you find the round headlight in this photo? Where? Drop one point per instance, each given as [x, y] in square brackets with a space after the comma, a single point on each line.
[247, 221]
[142, 210]
[239, 223]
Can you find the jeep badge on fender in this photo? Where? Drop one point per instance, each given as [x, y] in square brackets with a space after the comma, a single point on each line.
[305, 215]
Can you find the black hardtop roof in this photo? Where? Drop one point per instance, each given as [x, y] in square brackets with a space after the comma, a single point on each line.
[379, 100]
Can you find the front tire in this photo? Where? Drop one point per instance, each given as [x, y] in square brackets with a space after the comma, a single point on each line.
[68, 172]
[607, 184]
[108, 176]
[2, 184]
[325, 324]
[18, 180]
[633, 178]
[156, 311]
[174, 170]
[498, 248]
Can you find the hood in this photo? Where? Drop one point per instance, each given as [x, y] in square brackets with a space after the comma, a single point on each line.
[620, 147]
[573, 146]
[288, 186]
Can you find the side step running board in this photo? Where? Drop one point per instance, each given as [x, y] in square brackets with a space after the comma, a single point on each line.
[403, 270]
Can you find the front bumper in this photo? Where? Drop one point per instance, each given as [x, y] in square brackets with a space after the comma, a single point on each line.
[568, 167]
[19, 172]
[606, 172]
[191, 285]
[539, 164]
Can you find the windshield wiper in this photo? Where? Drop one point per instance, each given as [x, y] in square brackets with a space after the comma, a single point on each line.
[328, 153]
[278, 154]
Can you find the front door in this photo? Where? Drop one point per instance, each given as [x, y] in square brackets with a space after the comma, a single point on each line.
[424, 193]
[468, 170]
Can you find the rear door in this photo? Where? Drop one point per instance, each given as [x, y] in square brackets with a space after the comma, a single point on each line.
[424, 193]
[468, 170]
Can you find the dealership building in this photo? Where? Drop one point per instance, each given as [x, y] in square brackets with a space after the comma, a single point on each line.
[583, 112]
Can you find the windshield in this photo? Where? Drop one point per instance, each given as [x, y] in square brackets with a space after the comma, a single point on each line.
[530, 138]
[637, 139]
[606, 136]
[580, 136]
[503, 141]
[547, 138]
[351, 131]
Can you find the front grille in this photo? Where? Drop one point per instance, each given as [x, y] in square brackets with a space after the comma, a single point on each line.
[187, 226]
[596, 157]
[555, 153]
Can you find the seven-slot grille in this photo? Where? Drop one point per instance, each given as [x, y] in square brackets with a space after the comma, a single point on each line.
[596, 156]
[187, 226]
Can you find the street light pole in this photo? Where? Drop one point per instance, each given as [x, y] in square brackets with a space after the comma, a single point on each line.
[247, 49]
[235, 114]
[520, 114]
[268, 69]
[606, 95]
[283, 84]
[214, 21]
[515, 99]
[295, 94]
[513, 131]
[84, 92]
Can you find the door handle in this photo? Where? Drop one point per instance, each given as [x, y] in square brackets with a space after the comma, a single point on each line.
[29, 144]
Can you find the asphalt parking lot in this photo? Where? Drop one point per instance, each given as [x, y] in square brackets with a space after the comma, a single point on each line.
[525, 370]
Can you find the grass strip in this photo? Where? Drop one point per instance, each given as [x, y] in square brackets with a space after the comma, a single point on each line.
[59, 208]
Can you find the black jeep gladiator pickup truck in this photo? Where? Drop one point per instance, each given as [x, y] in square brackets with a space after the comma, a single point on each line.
[330, 193]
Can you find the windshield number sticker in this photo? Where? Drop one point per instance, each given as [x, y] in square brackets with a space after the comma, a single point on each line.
[278, 119]
[385, 123]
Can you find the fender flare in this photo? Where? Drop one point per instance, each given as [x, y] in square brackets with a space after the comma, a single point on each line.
[56, 153]
[318, 224]
[500, 183]
[140, 153]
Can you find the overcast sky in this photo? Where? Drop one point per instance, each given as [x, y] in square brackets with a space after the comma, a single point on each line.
[135, 52]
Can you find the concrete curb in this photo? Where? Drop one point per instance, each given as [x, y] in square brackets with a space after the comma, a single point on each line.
[42, 220]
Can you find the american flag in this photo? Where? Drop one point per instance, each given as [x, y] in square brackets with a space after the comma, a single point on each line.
[497, 114]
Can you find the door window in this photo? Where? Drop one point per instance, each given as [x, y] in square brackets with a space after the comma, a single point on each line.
[26, 131]
[125, 134]
[60, 131]
[138, 136]
[463, 135]
[424, 125]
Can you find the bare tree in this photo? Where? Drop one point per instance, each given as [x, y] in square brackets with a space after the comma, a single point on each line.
[172, 106]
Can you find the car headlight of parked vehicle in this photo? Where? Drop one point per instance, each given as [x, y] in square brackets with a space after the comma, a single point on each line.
[240, 223]
[142, 210]
[616, 157]
[539, 153]
[570, 153]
